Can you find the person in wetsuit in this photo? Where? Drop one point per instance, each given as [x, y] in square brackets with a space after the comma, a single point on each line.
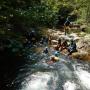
[64, 45]
[67, 25]
[46, 51]
[72, 47]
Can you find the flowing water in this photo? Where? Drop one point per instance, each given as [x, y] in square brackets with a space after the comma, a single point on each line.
[67, 74]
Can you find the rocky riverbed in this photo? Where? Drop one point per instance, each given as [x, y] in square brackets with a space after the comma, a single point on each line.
[82, 41]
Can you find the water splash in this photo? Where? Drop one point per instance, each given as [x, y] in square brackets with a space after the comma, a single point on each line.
[41, 81]
[69, 86]
[66, 74]
[84, 78]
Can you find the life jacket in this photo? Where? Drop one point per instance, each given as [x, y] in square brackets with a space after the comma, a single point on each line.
[72, 47]
[54, 59]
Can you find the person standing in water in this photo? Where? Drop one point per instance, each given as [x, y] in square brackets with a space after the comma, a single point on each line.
[46, 51]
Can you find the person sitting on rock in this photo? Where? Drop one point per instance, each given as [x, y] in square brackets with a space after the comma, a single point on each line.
[72, 47]
[57, 47]
[64, 45]
[59, 42]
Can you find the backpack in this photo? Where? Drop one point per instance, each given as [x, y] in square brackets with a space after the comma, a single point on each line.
[67, 23]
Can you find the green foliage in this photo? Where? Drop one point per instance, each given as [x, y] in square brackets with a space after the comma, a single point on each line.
[21, 15]
[39, 12]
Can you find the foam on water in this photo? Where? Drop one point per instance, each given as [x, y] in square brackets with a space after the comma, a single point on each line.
[69, 86]
[84, 78]
[41, 81]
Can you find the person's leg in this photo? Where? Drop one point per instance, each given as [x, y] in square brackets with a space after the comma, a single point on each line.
[65, 29]
[68, 29]
[70, 53]
[61, 48]
[68, 49]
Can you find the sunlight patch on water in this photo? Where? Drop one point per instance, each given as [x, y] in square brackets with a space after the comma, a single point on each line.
[41, 81]
[69, 86]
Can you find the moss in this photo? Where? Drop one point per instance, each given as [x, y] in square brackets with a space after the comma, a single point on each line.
[88, 30]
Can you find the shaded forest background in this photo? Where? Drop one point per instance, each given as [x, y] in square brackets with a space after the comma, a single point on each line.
[18, 17]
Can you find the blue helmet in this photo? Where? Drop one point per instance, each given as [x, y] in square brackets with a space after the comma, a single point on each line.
[56, 53]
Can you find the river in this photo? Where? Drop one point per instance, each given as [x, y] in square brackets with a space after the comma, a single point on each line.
[67, 74]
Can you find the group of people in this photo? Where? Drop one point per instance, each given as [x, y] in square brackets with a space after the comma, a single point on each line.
[54, 57]
[60, 47]
[72, 47]
[69, 47]
[31, 36]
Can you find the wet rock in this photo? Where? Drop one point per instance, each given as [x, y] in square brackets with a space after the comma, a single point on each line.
[74, 36]
[81, 55]
[54, 42]
[82, 41]
[84, 44]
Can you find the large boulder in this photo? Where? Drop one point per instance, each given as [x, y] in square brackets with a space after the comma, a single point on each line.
[84, 44]
[81, 56]
[54, 42]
